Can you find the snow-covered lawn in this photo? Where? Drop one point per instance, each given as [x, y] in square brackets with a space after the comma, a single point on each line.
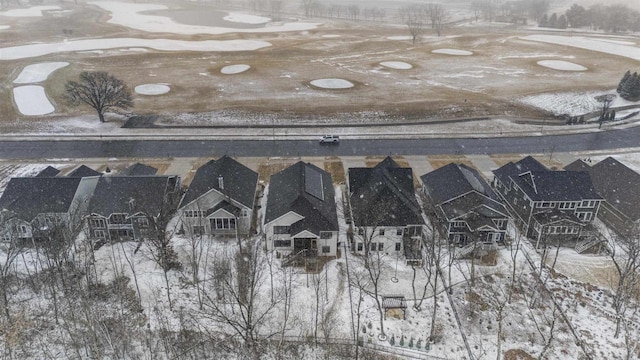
[32, 100]
[455, 52]
[34, 50]
[152, 89]
[571, 103]
[400, 37]
[38, 72]
[246, 18]
[4, 27]
[561, 65]
[234, 69]
[331, 36]
[34, 11]
[332, 83]
[398, 65]
[588, 43]
[131, 15]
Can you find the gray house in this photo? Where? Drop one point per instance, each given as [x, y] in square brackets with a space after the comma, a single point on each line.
[301, 212]
[36, 207]
[547, 205]
[386, 213]
[466, 207]
[121, 205]
[620, 187]
[220, 199]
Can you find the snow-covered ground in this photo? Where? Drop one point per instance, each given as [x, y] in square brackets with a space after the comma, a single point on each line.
[131, 15]
[398, 65]
[152, 89]
[456, 52]
[34, 50]
[38, 72]
[246, 18]
[561, 65]
[588, 43]
[332, 83]
[33, 11]
[234, 69]
[32, 100]
[571, 103]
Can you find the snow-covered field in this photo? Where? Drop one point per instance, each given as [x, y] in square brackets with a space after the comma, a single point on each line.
[456, 52]
[587, 43]
[38, 72]
[234, 69]
[398, 65]
[571, 103]
[561, 65]
[33, 11]
[152, 89]
[246, 18]
[32, 100]
[332, 83]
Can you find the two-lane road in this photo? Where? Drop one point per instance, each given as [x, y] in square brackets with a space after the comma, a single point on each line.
[49, 149]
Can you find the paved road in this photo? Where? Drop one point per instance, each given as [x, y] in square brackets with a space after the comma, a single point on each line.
[37, 149]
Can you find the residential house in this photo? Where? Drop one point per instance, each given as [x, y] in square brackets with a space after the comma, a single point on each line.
[549, 206]
[35, 208]
[301, 216]
[620, 188]
[121, 206]
[138, 169]
[466, 207]
[386, 214]
[220, 199]
[49, 171]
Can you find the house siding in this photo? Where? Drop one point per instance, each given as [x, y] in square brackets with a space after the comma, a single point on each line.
[208, 201]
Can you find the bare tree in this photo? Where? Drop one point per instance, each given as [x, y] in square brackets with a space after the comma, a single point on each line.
[100, 90]
[276, 7]
[415, 16]
[308, 6]
[10, 248]
[438, 16]
[476, 7]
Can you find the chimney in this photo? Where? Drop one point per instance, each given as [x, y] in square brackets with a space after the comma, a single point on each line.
[132, 204]
[221, 182]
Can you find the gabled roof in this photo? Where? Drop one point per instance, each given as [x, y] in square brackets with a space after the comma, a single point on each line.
[306, 190]
[617, 184]
[28, 197]
[49, 171]
[383, 195]
[83, 171]
[238, 181]
[454, 180]
[131, 194]
[138, 169]
[542, 184]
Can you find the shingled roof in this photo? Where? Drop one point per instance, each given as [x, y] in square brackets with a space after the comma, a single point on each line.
[130, 194]
[49, 171]
[28, 197]
[383, 195]
[306, 190]
[618, 184]
[83, 171]
[238, 181]
[542, 184]
[138, 169]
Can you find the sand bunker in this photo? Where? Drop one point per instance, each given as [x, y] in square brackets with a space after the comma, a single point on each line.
[452, 52]
[152, 89]
[332, 83]
[38, 72]
[235, 69]
[398, 65]
[32, 100]
[561, 65]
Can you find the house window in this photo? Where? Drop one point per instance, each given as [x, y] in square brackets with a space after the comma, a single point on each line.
[373, 246]
[198, 230]
[326, 249]
[224, 223]
[245, 212]
[381, 231]
[360, 246]
[588, 216]
[458, 224]
[100, 234]
[22, 229]
[143, 222]
[281, 229]
[500, 223]
[118, 219]
[282, 243]
[96, 223]
[399, 231]
[360, 231]
[326, 234]
[588, 203]
[380, 246]
[398, 246]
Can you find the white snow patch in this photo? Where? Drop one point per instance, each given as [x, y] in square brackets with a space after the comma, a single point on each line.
[129, 15]
[401, 37]
[561, 65]
[619, 42]
[28, 12]
[332, 83]
[235, 69]
[398, 65]
[588, 44]
[4, 27]
[452, 52]
[33, 50]
[246, 19]
[331, 36]
[571, 103]
[38, 72]
[31, 100]
[152, 89]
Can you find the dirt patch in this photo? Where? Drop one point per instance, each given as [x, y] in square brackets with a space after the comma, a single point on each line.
[270, 167]
[336, 169]
[504, 159]
[517, 354]
[438, 161]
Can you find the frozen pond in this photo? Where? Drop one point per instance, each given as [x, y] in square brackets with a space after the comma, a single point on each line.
[210, 17]
[31, 100]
